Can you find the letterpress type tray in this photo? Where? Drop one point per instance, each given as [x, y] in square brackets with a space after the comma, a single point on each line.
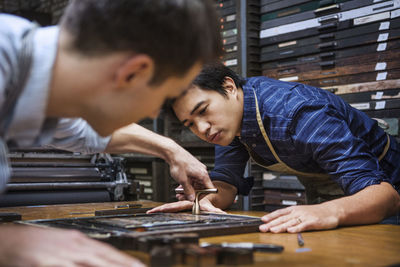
[117, 229]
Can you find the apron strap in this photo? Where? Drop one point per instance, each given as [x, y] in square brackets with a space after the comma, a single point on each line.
[293, 171]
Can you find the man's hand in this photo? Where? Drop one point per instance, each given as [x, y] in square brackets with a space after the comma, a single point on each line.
[296, 219]
[359, 208]
[205, 205]
[184, 167]
[188, 172]
[23, 246]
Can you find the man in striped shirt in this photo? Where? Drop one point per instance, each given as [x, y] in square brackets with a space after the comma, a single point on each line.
[348, 164]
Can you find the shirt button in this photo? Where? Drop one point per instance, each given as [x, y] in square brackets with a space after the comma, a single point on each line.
[253, 145]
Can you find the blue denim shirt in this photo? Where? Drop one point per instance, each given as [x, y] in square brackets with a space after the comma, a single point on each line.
[312, 130]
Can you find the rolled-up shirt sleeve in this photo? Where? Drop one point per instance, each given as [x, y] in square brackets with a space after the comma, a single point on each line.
[230, 163]
[324, 133]
[78, 136]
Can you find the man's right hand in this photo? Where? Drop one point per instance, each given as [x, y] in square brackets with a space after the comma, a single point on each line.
[33, 246]
[205, 205]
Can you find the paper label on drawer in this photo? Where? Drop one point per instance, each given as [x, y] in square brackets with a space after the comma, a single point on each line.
[289, 202]
[378, 95]
[380, 105]
[289, 79]
[380, 66]
[381, 76]
[230, 18]
[360, 106]
[231, 62]
[287, 44]
[383, 37]
[381, 47]
[395, 14]
[384, 26]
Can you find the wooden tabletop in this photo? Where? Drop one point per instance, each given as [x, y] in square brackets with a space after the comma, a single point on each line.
[370, 245]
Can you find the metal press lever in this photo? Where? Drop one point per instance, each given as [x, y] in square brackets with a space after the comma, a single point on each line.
[196, 205]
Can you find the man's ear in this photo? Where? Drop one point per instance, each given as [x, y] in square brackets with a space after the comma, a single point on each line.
[230, 86]
[136, 70]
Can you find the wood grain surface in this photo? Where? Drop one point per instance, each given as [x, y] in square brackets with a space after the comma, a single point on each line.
[369, 245]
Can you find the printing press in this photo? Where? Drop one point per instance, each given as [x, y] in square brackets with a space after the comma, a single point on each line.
[53, 177]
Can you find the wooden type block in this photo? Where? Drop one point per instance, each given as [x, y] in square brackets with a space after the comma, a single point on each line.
[178, 251]
[119, 242]
[161, 256]
[235, 256]
[9, 217]
[146, 243]
[200, 257]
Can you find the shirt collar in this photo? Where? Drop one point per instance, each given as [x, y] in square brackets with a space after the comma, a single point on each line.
[250, 127]
[29, 114]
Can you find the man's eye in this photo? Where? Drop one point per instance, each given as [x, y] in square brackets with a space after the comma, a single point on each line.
[190, 125]
[203, 110]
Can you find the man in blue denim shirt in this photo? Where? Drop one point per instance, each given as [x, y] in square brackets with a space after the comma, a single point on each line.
[350, 167]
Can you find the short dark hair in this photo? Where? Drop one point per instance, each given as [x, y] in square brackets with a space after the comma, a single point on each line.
[174, 33]
[212, 77]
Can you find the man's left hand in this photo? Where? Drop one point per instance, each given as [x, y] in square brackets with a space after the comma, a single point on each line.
[296, 219]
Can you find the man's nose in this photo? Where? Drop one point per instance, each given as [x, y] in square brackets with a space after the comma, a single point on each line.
[202, 127]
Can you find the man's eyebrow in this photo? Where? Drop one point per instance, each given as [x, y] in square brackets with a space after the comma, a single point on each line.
[196, 107]
[194, 110]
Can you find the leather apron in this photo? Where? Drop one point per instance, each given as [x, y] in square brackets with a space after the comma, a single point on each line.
[319, 186]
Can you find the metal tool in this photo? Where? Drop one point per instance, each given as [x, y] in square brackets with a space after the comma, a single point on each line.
[196, 205]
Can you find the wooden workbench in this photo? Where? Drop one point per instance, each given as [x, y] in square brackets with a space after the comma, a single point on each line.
[371, 245]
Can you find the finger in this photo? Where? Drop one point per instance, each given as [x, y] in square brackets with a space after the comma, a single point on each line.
[207, 206]
[188, 189]
[284, 226]
[180, 197]
[274, 222]
[173, 207]
[206, 181]
[273, 215]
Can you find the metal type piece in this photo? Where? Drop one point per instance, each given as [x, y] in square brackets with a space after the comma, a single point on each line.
[121, 211]
[200, 257]
[198, 192]
[125, 230]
